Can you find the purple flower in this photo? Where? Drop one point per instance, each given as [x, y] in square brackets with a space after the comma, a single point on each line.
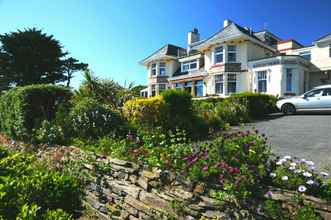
[206, 154]
[269, 194]
[191, 159]
[205, 168]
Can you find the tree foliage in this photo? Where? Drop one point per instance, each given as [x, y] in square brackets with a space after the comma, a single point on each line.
[33, 57]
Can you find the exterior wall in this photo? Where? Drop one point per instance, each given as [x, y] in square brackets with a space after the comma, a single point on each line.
[171, 67]
[319, 55]
[256, 52]
[276, 78]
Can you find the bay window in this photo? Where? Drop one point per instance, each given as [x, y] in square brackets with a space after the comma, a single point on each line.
[162, 87]
[153, 69]
[218, 55]
[162, 69]
[219, 84]
[198, 88]
[232, 82]
[153, 90]
[232, 53]
[262, 81]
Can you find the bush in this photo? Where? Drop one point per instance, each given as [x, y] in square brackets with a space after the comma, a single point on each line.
[206, 111]
[232, 112]
[23, 181]
[236, 162]
[258, 104]
[48, 133]
[22, 109]
[90, 119]
[57, 214]
[179, 112]
[145, 112]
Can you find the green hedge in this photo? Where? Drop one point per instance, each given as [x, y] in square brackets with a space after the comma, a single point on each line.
[258, 104]
[22, 109]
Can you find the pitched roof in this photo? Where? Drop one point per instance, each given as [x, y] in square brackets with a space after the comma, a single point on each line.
[166, 50]
[235, 28]
[326, 37]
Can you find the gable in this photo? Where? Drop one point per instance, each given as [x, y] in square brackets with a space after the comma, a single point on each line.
[167, 51]
[227, 33]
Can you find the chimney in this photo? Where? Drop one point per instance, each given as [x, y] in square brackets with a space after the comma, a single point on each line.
[226, 22]
[193, 36]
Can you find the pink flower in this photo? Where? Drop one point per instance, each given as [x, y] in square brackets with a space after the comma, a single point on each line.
[205, 168]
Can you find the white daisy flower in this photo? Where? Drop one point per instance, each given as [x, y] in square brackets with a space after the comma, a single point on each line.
[310, 163]
[272, 175]
[302, 188]
[284, 178]
[297, 171]
[287, 157]
[293, 164]
[325, 174]
[307, 174]
[291, 168]
[312, 168]
[310, 182]
[303, 160]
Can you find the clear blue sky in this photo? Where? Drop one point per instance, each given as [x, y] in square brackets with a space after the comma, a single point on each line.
[113, 35]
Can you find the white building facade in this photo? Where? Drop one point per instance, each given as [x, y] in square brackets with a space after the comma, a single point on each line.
[237, 59]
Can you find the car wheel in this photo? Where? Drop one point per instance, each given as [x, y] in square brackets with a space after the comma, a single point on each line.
[288, 109]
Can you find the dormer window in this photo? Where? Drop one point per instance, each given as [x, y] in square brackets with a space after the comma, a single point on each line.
[232, 53]
[218, 55]
[162, 69]
[189, 66]
[153, 69]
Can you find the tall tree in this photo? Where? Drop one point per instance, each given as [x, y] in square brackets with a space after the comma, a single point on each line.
[72, 65]
[31, 57]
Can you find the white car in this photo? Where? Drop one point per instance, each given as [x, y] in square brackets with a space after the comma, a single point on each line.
[317, 99]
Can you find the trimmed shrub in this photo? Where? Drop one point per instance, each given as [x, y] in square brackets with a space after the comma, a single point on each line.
[91, 119]
[145, 112]
[22, 109]
[232, 112]
[258, 104]
[179, 110]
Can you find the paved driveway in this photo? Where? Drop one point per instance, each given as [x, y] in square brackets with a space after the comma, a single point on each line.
[304, 136]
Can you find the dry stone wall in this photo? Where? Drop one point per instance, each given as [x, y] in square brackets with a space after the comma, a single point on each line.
[132, 192]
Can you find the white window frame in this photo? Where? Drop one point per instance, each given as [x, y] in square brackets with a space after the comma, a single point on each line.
[163, 66]
[188, 64]
[289, 71]
[163, 89]
[221, 52]
[219, 81]
[265, 78]
[153, 68]
[232, 52]
[231, 81]
[153, 89]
